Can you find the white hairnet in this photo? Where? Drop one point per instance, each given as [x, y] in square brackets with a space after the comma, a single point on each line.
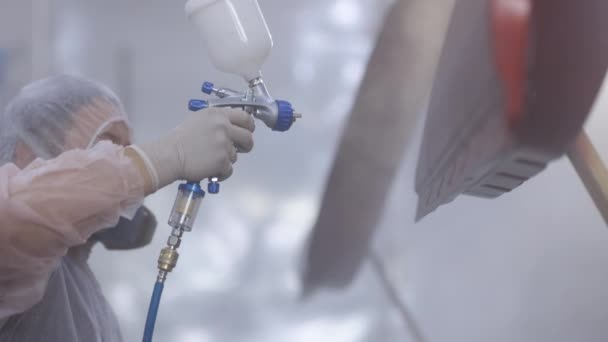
[60, 113]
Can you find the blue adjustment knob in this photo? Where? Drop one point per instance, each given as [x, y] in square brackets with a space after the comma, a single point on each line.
[194, 188]
[285, 118]
[196, 105]
[207, 88]
[213, 187]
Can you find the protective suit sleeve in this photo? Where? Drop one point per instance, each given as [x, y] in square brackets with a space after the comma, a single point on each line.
[52, 205]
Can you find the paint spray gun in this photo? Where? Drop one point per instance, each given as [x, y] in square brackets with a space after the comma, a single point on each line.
[238, 41]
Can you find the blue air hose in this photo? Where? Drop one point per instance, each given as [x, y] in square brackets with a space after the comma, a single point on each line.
[153, 311]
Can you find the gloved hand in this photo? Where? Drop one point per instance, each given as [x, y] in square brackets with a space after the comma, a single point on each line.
[204, 145]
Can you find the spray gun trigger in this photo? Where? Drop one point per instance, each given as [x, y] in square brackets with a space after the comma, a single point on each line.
[196, 105]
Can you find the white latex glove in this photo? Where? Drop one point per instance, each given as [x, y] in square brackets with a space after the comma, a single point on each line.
[202, 146]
